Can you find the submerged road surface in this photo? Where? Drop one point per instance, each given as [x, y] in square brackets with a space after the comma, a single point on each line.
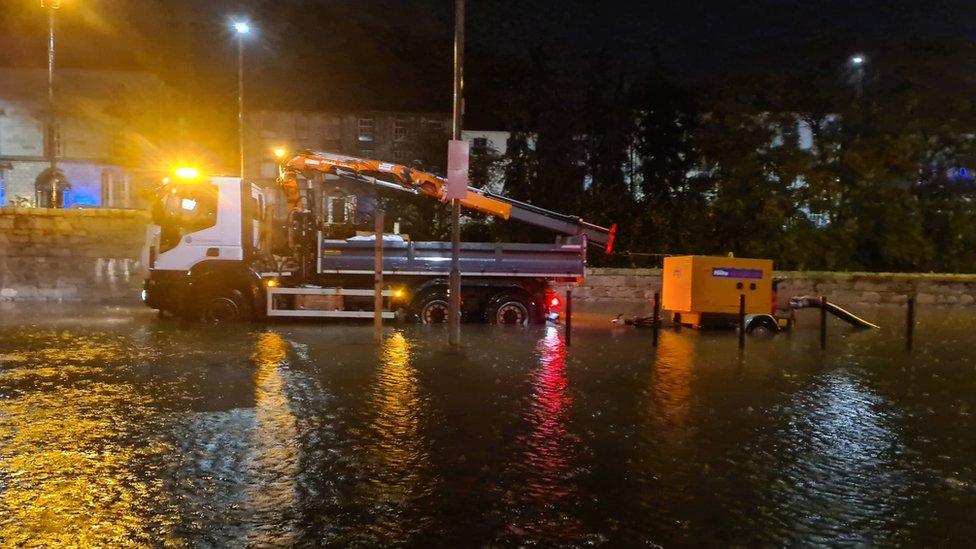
[117, 427]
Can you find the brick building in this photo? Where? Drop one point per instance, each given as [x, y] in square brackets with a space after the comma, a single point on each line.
[108, 122]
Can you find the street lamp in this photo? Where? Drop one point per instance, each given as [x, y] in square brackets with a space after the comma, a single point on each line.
[50, 132]
[857, 63]
[279, 152]
[242, 28]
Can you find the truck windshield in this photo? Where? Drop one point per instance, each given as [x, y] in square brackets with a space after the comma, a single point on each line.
[183, 209]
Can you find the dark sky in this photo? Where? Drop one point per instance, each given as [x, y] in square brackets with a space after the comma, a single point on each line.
[397, 53]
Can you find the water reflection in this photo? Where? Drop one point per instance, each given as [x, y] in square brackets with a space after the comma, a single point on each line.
[273, 462]
[836, 454]
[74, 469]
[398, 454]
[547, 460]
[671, 383]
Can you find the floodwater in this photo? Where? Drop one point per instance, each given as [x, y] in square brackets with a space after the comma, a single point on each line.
[119, 428]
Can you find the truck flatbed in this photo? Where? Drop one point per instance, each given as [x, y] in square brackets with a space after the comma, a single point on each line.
[400, 257]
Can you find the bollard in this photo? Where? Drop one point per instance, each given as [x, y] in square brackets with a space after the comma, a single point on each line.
[569, 317]
[657, 318]
[823, 322]
[742, 321]
[910, 326]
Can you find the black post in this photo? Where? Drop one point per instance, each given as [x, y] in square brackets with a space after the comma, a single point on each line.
[569, 317]
[823, 322]
[656, 318]
[910, 327]
[742, 321]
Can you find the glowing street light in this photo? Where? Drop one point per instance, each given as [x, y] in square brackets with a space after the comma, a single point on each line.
[857, 60]
[279, 152]
[242, 27]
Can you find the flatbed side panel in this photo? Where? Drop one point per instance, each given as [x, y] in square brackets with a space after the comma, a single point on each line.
[433, 258]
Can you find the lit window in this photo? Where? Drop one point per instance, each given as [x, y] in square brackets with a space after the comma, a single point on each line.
[366, 129]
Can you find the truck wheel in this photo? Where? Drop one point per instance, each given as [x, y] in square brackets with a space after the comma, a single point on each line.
[510, 308]
[432, 308]
[223, 308]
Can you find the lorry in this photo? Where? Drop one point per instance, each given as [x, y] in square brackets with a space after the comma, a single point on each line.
[223, 249]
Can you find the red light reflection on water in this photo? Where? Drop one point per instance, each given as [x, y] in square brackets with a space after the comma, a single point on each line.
[547, 460]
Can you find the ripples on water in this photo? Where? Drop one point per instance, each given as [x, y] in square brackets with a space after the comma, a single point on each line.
[117, 428]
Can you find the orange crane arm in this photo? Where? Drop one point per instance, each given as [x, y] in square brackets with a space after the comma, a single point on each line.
[398, 175]
[408, 178]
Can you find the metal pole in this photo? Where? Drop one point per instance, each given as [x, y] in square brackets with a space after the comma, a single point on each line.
[52, 141]
[240, 97]
[50, 86]
[378, 273]
[569, 316]
[454, 313]
[910, 325]
[656, 319]
[742, 321]
[823, 322]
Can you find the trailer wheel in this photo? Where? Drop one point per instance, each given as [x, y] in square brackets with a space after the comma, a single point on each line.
[510, 308]
[762, 326]
[432, 308]
[223, 308]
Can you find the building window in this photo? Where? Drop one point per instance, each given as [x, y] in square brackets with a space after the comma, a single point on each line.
[435, 125]
[399, 129]
[479, 143]
[117, 191]
[401, 155]
[366, 129]
[340, 209]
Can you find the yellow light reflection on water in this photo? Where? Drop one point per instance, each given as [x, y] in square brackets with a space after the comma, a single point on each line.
[399, 454]
[671, 389]
[68, 476]
[275, 452]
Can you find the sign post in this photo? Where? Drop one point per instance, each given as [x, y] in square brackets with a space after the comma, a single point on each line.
[457, 175]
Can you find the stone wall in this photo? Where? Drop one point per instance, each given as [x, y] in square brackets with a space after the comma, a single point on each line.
[99, 255]
[639, 285]
[71, 255]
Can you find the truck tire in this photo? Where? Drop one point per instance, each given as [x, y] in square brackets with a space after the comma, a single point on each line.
[431, 307]
[512, 308]
[223, 308]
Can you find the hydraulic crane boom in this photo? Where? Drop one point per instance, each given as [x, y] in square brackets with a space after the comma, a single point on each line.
[419, 182]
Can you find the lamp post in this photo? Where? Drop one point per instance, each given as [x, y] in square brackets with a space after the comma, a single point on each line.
[242, 28]
[50, 131]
